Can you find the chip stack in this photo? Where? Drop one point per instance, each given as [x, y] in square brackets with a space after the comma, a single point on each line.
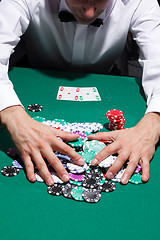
[116, 119]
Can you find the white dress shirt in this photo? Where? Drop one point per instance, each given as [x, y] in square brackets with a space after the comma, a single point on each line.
[50, 43]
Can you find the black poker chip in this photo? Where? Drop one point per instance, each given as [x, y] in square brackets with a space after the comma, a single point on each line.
[95, 173]
[35, 107]
[10, 171]
[66, 190]
[91, 195]
[55, 190]
[108, 186]
[90, 182]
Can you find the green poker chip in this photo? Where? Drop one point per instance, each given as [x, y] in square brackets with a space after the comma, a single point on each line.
[94, 145]
[88, 155]
[75, 183]
[39, 119]
[136, 179]
[77, 193]
[62, 121]
[77, 143]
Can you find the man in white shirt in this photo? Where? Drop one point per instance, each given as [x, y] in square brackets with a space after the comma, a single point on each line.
[80, 46]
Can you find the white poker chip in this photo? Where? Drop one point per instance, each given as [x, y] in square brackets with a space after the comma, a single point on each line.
[107, 162]
[73, 168]
[38, 177]
[53, 124]
[62, 157]
[66, 128]
[117, 177]
[56, 179]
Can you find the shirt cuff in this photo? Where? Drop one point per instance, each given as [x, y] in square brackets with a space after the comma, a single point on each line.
[8, 97]
[154, 104]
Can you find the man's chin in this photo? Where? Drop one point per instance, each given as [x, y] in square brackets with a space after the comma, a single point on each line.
[84, 22]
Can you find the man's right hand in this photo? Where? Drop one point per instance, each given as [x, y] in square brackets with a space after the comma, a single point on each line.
[36, 141]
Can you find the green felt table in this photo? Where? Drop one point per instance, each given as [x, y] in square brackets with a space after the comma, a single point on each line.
[27, 211]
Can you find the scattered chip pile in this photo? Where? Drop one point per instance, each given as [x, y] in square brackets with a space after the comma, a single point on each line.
[87, 183]
[116, 119]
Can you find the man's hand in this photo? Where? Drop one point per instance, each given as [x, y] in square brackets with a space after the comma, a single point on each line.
[36, 141]
[135, 144]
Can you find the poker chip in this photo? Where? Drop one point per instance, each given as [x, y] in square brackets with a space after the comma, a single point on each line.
[73, 168]
[119, 174]
[90, 182]
[75, 183]
[53, 124]
[77, 143]
[108, 186]
[91, 195]
[77, 192]
[76, 177]
[17, 164]
[136, 179]
[107, 162]
[95, 173]
[55, 190]
[35, 107]
[39, 119]
[82, 135]
[12, 153]
[94, 145]
[86, 127]
[138, 169]
[56, 178]
[88, 155]
[114, 113]
[66, 190]
[10, 171]
[38, 177]
[116, 119]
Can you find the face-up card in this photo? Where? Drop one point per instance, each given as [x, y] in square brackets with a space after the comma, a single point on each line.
[78, 94]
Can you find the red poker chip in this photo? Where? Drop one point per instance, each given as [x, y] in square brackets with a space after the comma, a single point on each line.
[114, 113]
[112, 124]
[117, 122]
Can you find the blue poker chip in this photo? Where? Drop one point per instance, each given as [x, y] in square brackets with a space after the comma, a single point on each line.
[73, 168]
[17, 164]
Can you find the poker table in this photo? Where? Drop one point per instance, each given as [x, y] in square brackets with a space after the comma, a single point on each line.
[28, 212]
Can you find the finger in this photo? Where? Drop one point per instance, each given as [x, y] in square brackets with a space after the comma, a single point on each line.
[29, 168]
[103, 136]
[117, 165]
[145, 169]
[105, 152]
[42, 167]
[133, 162]
[67, 136]
[67, 150]
[56, 164]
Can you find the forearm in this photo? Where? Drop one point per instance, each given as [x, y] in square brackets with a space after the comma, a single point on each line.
[150, 124]
[12, 115]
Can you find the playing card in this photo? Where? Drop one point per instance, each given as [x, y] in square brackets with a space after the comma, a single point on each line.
[78, 94]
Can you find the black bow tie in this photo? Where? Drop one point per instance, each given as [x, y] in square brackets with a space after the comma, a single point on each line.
[65, 16]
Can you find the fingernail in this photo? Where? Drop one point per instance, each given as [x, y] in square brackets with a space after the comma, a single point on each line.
[81, 161]
[109, 175]
[144, 178]
[65, 178]
[124, 180]
[94, 162]
[50, 181]
[32, 178]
